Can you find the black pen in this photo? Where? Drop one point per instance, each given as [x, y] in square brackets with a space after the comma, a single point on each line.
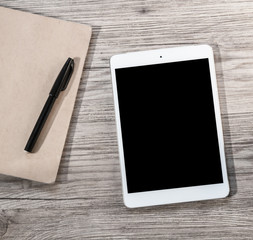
[60, 84]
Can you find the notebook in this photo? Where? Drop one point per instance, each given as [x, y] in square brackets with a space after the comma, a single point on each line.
[33, 50]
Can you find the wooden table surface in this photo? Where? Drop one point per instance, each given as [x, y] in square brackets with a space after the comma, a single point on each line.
[86, 200]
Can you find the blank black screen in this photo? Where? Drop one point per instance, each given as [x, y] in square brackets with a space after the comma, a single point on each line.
[168, 126]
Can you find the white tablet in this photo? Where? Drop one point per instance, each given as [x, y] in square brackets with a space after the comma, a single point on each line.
[169, 128]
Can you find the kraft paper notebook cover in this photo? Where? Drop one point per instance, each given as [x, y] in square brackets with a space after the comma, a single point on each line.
[33, 50]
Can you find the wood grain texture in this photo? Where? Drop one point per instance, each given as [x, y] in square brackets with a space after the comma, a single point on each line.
[86, 200]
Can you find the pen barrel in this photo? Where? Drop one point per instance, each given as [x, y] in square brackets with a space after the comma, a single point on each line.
[40, 123]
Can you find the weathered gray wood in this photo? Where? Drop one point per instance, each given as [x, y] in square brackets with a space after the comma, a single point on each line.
[86, 201]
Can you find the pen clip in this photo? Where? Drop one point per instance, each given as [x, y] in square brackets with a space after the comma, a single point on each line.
[63, 78]
[68, 73]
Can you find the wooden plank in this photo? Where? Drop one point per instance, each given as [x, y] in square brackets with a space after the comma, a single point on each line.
[109, 219]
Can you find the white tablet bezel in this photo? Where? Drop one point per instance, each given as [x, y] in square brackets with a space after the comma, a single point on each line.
[175, 195]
